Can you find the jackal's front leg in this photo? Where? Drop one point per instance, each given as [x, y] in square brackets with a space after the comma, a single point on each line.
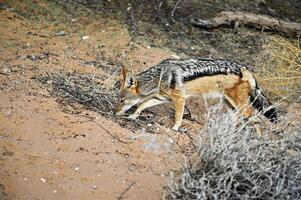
[179, 103]
[144, 105]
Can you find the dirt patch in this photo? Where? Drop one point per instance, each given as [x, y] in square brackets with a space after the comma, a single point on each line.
[51, 150]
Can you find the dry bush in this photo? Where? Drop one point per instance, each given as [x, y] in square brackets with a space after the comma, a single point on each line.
[91, 91]
[281, 72]
[232, 162]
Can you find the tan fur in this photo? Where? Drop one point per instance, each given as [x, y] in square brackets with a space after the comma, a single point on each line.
[235, 89]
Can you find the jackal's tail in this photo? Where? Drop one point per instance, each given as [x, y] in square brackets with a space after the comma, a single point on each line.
[262, 104]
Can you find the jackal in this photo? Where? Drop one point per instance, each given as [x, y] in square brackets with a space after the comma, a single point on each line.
[175, 80]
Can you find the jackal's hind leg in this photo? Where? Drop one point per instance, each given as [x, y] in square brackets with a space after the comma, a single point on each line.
[146, 104]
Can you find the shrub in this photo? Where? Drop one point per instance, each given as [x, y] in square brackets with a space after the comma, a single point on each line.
[281, 68]
[232, 162]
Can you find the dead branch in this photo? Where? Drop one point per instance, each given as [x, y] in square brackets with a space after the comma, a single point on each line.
[133, 21]
[125, 191]
[174, 9]
[260, 21]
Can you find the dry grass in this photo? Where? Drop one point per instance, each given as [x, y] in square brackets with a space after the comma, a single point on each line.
[232, 162]
[281, 72]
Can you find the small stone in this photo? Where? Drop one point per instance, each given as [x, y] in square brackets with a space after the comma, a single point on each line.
[6, 71]
[43, 180]
[76, 168]
[9, 9]
[49, 82]
[170, 140]
[60, 33]
[8, 153]
[8, 113]
[94, 187]
[85, 37]
[15, 69]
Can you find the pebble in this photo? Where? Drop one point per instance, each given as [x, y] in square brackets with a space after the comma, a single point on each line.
[8, 113]
[170, 140]
[6, 71]
[85, 37]
[43, 180]
[8, 153]
[60, 33]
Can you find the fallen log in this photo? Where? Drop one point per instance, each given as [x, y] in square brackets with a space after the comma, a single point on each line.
[263, 22]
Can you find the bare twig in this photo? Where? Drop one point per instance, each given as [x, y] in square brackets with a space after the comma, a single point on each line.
[133, 21]
[174, 9]
[108, 132]
[121, 196]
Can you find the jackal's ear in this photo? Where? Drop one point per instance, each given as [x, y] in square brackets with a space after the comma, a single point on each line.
[131, 81]
[124, 72]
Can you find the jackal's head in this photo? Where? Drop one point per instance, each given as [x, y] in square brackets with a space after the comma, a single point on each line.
[129, 93]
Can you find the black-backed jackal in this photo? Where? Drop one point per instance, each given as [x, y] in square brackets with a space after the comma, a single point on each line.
[173, 81]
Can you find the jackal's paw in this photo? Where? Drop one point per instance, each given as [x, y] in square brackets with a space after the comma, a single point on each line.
[132, 117]
[175, 127]
[179, 130]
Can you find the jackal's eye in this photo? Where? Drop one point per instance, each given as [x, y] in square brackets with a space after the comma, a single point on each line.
[122, 100]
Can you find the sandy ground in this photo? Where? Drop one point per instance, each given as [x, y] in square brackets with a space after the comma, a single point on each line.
[46, 153]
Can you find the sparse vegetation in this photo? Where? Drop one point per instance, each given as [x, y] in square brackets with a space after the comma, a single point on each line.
[232, 162]
[86, 89]
[281, 68]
